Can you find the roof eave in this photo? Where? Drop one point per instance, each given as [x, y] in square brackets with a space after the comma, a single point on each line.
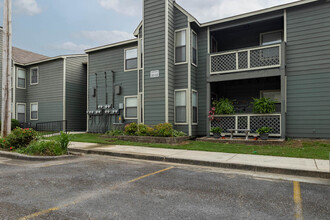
[111, 45]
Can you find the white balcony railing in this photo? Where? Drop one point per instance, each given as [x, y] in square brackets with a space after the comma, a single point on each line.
[247, 59]
[248, 121]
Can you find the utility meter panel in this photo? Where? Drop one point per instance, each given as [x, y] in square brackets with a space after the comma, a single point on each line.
[117, 90]
[121, 106]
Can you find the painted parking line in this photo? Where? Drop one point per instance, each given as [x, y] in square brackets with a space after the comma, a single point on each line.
[43, 212]
[297, 200]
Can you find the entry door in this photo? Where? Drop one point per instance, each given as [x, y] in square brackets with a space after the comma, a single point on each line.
[21, 112]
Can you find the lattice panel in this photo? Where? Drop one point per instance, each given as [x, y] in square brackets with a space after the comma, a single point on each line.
[265, 57]
[273, 122]
[242, 123]
[224, 123]
[243, 60]
[224, 62]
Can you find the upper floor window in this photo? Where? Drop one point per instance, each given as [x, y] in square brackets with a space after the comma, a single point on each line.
[131, 59]
[194, 48]
[131, 104]
[180, 46]
[269, 38]
[141, 53]
[34, 76]
[21, 78]
[21, 107]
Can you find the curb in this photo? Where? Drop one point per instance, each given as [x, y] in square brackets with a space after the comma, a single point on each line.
[305, 173]
[35, 158]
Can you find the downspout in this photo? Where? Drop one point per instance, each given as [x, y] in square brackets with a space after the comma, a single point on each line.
[189, 81]
[14, 91]
[64, 93]
[166, 61]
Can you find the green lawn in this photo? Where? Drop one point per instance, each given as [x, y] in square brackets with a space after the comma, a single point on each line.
[293, 148]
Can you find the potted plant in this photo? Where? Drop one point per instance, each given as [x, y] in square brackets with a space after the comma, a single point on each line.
[264, 132]
[224, 107]
[216, 132]
[263, 106]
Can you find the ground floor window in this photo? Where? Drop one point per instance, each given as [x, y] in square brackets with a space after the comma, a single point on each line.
[34, 111]
[195, 106]
[131, 107]
[180, 106]
[21, 107]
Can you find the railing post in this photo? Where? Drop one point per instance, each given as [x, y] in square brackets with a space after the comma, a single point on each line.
[249, 123]
[236, 123]
[237, 65]
[249, 59]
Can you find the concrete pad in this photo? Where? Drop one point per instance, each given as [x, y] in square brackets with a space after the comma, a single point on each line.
[279, 162]
[80, 145]
[141, 150]
[203, 156]
[323, 165]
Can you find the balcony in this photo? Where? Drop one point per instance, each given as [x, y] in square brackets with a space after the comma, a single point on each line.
[248, 121]
[256, 58]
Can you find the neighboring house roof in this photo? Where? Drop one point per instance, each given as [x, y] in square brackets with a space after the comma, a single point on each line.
[23, 56]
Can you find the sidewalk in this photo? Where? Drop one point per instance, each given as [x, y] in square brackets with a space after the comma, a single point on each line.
[282, 165]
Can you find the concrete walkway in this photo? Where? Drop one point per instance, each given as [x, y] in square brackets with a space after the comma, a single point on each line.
[284, 165]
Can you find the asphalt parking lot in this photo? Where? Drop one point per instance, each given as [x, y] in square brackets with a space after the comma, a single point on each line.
[97, 187]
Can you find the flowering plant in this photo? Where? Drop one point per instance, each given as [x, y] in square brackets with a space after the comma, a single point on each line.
[211, 114]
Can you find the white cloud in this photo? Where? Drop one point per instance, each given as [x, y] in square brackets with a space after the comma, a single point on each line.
[208, 10]
[126, 7]
[104, 37]
[29, 7]
[68, 47]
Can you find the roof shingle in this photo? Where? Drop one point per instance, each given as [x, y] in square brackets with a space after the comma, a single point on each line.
[24, 56]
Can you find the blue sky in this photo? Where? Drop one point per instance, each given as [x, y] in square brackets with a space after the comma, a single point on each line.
[56, 27]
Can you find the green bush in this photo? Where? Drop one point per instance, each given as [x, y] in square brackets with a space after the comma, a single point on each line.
[115, 133]
[216, 130]
[142, 130]
[150, 131]
[264, 130]
[224, 107]
[14, 124]
[64, 140]
[263, 106]
[131, 129]
[44, 148]
[163, 130]
[179, 133]
[20, 138]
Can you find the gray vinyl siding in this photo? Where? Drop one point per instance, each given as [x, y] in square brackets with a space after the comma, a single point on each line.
[171, 73]
[180, 19]
[76, 93]
[154, 57]
[48, 92]
[1, 48]
[201, 76]
[308, 71]
[106, 61]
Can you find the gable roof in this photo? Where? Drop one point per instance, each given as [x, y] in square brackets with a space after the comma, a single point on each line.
[23, 56]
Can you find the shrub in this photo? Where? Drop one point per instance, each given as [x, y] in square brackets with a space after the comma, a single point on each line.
[115, 133]
[20, 138]
[164, 130]
[150, 131]
[142, 130]
[263, 106]
[216, 130]
[179, 133]
[224, 107]
[14, 124]
[131, 129]
[264, 130]
[45, 148]
[64, 140]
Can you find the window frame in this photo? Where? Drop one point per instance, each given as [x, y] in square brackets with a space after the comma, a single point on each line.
[274, 90]
[17, 104]
[17, 86]
[186, 40]
[271, 32]
[192, 48]
[137, 58]
[137, 107]
[192, 107]
[33, 68]
[187, 116]
[33, 119]
[140, 54]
